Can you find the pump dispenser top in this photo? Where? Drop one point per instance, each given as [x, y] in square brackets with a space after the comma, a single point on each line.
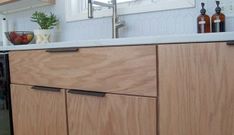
[203, 10]
[218, 8]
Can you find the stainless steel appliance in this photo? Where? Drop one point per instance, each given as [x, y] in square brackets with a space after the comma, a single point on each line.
[5, 99]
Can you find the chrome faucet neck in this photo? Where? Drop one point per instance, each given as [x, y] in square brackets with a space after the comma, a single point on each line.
[116, 22]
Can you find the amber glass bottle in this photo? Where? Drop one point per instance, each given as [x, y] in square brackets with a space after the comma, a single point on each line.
[218, 20]
[203, 21]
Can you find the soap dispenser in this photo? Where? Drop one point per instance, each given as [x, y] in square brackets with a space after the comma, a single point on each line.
[218, 20]
[203, 21]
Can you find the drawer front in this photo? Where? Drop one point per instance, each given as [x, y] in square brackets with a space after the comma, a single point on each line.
[124, 70]
[111, 115]
[38, 111]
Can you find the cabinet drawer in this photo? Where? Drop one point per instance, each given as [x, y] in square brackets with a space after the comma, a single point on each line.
[38, 112]
[111, 115]
[124, 70]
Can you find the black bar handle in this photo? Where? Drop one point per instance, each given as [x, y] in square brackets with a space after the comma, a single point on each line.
[43, 88]
[87, 93]
[61, 50]
[230, 43]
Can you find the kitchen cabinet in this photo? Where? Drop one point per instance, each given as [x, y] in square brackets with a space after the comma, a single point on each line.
[196, 89]
[110, 114]
[113, 90]
[41, 110]
[13, 6]
[38, 110]
[127, 70]
[90, 91]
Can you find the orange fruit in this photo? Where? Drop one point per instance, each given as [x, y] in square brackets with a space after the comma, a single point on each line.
[29, 37]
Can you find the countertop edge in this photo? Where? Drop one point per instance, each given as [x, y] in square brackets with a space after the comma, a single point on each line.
[150, 40]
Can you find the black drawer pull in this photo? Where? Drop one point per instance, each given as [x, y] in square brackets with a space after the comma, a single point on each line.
[87, 93]
[61, 50]
[230, 43]
[43, 88]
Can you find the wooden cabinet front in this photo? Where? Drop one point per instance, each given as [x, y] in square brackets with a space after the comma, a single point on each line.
[38, 112]
[196, 89]
[111, 115]
[124, 70]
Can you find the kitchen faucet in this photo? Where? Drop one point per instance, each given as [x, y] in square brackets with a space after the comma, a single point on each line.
[116, 22]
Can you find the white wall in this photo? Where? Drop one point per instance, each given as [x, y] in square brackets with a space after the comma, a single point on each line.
[148, 24]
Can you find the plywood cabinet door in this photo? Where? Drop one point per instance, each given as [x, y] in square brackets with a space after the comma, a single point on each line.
[111, 115]
[196, 89]
[38, 111]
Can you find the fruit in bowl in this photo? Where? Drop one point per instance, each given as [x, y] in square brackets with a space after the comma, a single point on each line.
[20, 37]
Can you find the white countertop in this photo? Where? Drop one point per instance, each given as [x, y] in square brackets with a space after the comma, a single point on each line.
[152, 40]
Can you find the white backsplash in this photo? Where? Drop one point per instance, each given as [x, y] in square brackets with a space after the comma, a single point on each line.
[181, 21]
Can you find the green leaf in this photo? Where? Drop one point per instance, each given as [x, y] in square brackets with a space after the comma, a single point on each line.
[44, 21]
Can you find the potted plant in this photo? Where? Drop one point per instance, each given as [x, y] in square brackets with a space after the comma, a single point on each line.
[46, 23]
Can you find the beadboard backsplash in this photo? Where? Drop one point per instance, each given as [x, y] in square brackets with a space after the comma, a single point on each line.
[181, 21]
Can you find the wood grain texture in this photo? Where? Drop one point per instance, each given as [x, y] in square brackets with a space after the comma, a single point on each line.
[124, 70]
[38, 112]
[2, 2]
[111, 115]
[196, 91]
